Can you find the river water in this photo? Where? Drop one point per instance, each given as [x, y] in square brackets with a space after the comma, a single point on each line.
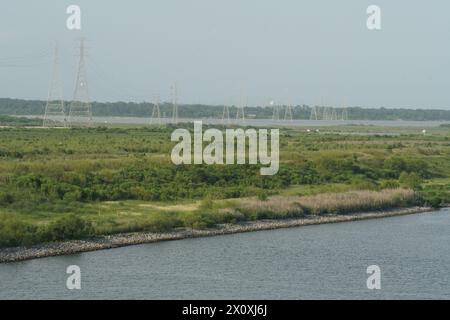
[311, 262]
[274, 123]
[263, 122]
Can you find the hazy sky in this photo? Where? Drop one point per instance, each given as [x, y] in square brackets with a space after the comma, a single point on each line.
[287, 50]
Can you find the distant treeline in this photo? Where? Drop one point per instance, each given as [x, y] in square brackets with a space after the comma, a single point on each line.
[18, 121]
[144, 109]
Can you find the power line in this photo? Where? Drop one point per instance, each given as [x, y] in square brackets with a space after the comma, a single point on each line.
[25, 61]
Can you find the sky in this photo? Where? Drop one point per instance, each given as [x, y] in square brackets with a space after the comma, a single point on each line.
[289, 51]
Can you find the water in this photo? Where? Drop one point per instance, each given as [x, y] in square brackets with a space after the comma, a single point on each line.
[268, 122]
[322, 261]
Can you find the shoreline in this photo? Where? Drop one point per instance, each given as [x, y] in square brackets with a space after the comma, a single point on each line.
[22, 253]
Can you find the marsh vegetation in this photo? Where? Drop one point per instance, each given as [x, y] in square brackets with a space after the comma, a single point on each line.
[58, 184]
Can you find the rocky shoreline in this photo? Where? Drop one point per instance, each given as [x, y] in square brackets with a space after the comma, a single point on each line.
[120, 240]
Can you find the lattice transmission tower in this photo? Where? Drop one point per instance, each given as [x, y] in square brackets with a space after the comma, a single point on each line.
[226, 114]
[275, 110]
[80, 109]
[344, 114]
[55, 115]
[314, 113]
[327, 113]
[174, 93]
[240, 114]
[156, 113]
[334, 115]
[288, 112]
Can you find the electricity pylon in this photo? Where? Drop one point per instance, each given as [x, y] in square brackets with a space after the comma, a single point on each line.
[54, 109]
[80, 109]
[327, 113]
[275, 111]
[344, 114]
[314, 113]
[174, 93]
[288, 112]
[226, 114]
[156, 113]
[334, 114]
[240, 114]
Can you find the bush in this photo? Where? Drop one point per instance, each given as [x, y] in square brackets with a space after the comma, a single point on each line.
[6, 199]
[389, 184]
[263, 196]
[66, 228]
[75, 195]
[207, 203]
[410, 180]
[14, 232]
[434, 202]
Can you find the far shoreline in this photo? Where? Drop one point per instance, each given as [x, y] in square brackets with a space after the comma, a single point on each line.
[15, 254]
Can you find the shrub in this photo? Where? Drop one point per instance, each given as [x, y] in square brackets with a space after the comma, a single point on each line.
[6, 199]
[389, 184]
[75, 195]
[14, 232]
[410, 180]
[206, 203]
[66, 228]
[434, 202]
[263, 196]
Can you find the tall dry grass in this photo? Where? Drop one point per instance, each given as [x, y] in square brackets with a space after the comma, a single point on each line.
[327, 203]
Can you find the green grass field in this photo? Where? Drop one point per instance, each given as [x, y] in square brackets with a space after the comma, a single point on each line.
[70, 183]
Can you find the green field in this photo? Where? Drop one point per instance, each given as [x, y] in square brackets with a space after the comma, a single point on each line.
[58, 184]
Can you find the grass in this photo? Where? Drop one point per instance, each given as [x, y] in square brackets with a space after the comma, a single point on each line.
[131, 216]
[307, 190]
[328, 203]
[121, 179]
